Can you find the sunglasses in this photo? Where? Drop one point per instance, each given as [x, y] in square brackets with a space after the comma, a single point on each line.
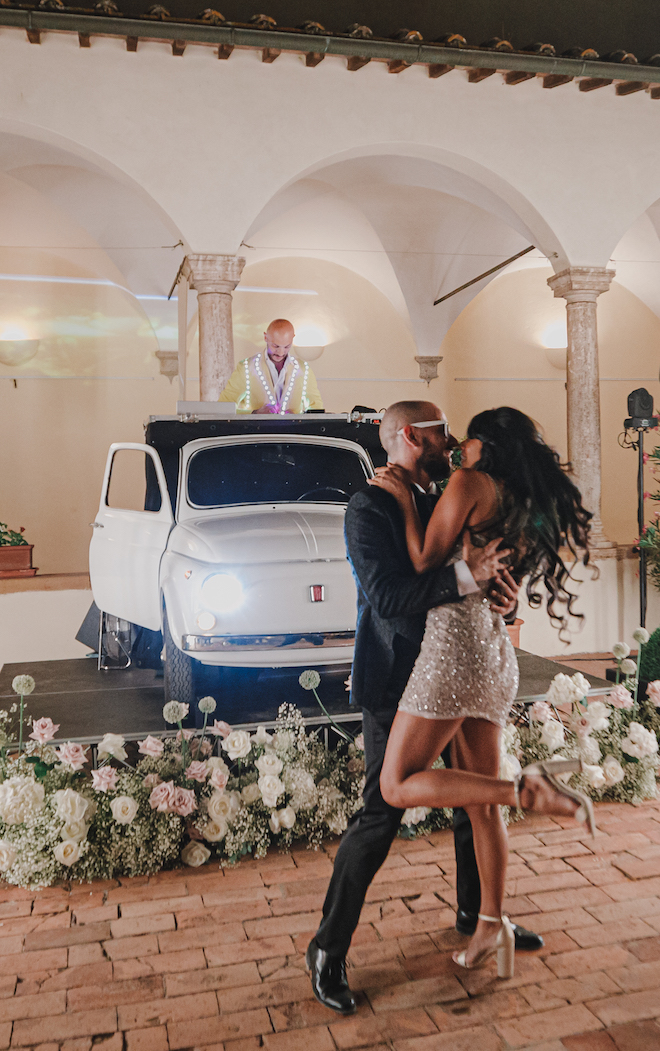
[428, 423]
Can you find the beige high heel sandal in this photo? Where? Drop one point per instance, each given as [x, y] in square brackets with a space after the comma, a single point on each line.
[505, 947]
[584, 814]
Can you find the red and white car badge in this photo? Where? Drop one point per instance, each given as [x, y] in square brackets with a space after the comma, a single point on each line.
[317, 593]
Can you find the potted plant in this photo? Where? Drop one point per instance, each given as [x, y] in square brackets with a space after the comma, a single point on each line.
[15, 553]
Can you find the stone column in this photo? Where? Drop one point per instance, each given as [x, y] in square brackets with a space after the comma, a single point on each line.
[580, 286]
[214, 277]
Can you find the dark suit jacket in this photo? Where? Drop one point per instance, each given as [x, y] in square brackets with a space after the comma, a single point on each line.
[393, 600]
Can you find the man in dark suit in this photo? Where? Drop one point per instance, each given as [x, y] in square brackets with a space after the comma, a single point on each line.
[393, 602]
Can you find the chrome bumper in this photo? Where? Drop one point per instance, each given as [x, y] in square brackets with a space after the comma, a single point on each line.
[225, 643]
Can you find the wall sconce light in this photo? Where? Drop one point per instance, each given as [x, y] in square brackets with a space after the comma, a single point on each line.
[309, 342]
[15, 347]
[555, 340]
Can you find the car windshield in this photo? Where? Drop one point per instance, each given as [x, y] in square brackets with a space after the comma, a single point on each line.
[274, 472]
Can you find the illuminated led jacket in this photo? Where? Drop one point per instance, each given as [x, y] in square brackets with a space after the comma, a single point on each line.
[251, 386]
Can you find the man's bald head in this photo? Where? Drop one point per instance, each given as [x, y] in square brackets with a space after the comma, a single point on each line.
[403, 414]
[279, 339]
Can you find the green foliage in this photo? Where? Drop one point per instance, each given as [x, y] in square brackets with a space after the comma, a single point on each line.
[10, 537]
[649, 665]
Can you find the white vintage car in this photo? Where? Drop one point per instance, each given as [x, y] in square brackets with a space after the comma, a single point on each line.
[244, 563]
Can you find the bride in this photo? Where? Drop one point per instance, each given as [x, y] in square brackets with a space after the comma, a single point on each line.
[510, 485]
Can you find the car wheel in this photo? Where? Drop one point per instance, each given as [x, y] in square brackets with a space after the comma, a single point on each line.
[179, 670]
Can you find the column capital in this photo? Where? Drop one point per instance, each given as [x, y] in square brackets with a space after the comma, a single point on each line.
[213, 273]
[581, 284]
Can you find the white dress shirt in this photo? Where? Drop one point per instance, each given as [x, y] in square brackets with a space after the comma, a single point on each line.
[277, 377]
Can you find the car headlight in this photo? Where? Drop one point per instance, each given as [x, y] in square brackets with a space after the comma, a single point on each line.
[222, 592]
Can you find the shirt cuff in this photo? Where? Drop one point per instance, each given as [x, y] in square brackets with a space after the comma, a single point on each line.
[465, 582]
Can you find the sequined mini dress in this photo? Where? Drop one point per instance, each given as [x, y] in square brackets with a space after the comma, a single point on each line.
[466, 666]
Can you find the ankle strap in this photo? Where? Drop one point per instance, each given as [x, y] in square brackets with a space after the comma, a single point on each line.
[490, 919]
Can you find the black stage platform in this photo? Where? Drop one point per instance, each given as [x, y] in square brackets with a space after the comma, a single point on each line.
[88, 703]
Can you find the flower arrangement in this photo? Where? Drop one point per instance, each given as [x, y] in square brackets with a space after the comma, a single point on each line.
[179, 802]
[11, 537]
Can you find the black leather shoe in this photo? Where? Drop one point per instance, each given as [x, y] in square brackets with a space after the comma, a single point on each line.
[329, 983]
[526, 941]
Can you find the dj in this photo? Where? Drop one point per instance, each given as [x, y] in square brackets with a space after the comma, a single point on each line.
[274, 380]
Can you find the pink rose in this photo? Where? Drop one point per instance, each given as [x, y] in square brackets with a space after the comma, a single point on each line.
[163, 797]
[187, 734]
[152, 747]
[205, 748]
[219, 728]
[540, 712]
[581, 726]
[197, 771]
[73, 755]
[653, 691]
[104, 779]
[185, 801]
[151, 780]
[44, 730]
[218, 779]
[620, 697]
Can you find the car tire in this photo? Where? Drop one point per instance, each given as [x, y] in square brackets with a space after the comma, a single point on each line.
[179, 670]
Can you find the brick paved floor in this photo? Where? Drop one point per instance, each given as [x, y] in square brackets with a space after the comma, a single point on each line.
[214, 960]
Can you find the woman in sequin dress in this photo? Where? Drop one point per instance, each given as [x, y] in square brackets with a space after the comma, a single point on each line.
[510, 485]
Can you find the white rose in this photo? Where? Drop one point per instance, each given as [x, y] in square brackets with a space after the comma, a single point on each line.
[218, 807]
[214, 831]
[271, 789]
[287, 817]
[112, 744]
[261, 736]
[214, 762]
[274, 822]
[19, 798]
[251, 793]
[234, 804]
[70, 805]
[124, 809]
[67, 852]
[7, 855]
[640, 742]
[195, 854]
[237, 744]
[612, 770]
[415, 815]
[589, 750]
[598, 715]
[594, 775]
[75, 830]
[552, 734]
[269, 763]
[565, 689]
[510, 767]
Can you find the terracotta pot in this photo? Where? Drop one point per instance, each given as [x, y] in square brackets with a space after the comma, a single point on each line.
[514, 631]
[16, 560]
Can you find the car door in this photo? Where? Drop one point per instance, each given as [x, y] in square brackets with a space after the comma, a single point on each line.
[128, 539]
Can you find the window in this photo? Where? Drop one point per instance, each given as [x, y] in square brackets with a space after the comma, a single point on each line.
[274, 472]
[132, 476]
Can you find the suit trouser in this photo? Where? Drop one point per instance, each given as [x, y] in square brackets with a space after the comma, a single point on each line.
[366, 844]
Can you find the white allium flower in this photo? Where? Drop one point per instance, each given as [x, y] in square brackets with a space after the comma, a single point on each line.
[261, 737]
[301, 787]
[67, 852]
[598, 715]
[628, 667]
[620, 650]
[271, 789]
[75, 830]
[20, 798]
[552, 734]
[269, 763]
[639, 743]
[71, 805]
[415, 815]
[215, 831]
[612, 770]
[124, 809]
[7, 855]
[175, 711]
[237, 744]
[309, 679]
[23, 685]
[594, 776]
[250, 794]
[641, 636]
[207, 705]
[195, 854]
[112, 745]
[510, 767]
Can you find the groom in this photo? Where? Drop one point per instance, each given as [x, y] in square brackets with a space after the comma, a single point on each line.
[392, 605]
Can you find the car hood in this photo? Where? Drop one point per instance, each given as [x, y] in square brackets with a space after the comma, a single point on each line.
[273, 534]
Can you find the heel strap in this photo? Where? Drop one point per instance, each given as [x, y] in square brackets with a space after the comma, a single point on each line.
[490, 919]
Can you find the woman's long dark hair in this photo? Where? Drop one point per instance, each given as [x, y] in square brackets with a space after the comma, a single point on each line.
[542, 509]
